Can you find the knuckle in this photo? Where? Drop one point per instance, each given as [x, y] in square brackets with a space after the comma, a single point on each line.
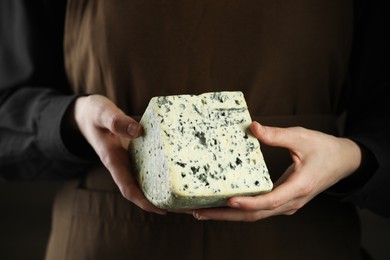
[304, 190]
[275, 134]
[90, 100]
[126, 192]
[129, 193]
[114, 122]
[251, 217]
[297, 205]
[299, 129]
[274, 203]
[106, 159]
[290, 212]
[300, 133]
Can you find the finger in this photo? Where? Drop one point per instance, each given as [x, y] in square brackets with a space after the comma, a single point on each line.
[229, 214]
[104, 114]
[232, 214]
[116, 160]
[281, 195]
[120, 124]
[109, 116]
[289, 138]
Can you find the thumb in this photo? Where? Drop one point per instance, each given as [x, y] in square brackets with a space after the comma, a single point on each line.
[117, 122]
[276, 136]
[123, 125]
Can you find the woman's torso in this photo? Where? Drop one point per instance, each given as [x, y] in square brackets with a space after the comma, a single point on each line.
[289, 58]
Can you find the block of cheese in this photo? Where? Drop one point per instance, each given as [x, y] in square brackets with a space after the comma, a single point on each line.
[197, 151]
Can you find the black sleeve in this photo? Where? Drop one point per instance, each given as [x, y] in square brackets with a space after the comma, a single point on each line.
[368, 120]
[34, 95]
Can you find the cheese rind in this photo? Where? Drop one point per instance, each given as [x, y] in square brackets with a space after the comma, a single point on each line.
[197, 151]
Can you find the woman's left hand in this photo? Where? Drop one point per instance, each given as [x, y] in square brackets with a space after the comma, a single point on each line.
[319, 161]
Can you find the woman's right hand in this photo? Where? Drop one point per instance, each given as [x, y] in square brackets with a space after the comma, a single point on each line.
[108, 130]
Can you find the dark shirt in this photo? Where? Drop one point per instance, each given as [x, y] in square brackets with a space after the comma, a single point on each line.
[35, 97]
[34, 93]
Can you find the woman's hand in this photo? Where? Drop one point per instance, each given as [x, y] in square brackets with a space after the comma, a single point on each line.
[109, 130]
[319, 161]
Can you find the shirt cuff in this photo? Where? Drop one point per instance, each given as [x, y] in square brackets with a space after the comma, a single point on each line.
[55, 137]
[360, 177]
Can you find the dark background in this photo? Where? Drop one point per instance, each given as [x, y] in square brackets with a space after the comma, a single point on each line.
[25, 213]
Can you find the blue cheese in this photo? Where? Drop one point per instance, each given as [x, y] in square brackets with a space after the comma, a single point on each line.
[197, 151]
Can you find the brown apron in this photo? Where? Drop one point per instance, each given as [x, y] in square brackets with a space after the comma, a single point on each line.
[288, 57]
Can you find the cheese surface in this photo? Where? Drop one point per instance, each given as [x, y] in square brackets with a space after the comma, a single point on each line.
[197, 151]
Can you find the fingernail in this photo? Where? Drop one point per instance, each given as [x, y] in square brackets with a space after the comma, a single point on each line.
[235, 205]
[199, 217]
[203, 218]
[134, 129]
[160, 212]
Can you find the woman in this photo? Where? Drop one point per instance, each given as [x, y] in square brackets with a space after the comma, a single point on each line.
[291, 60]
